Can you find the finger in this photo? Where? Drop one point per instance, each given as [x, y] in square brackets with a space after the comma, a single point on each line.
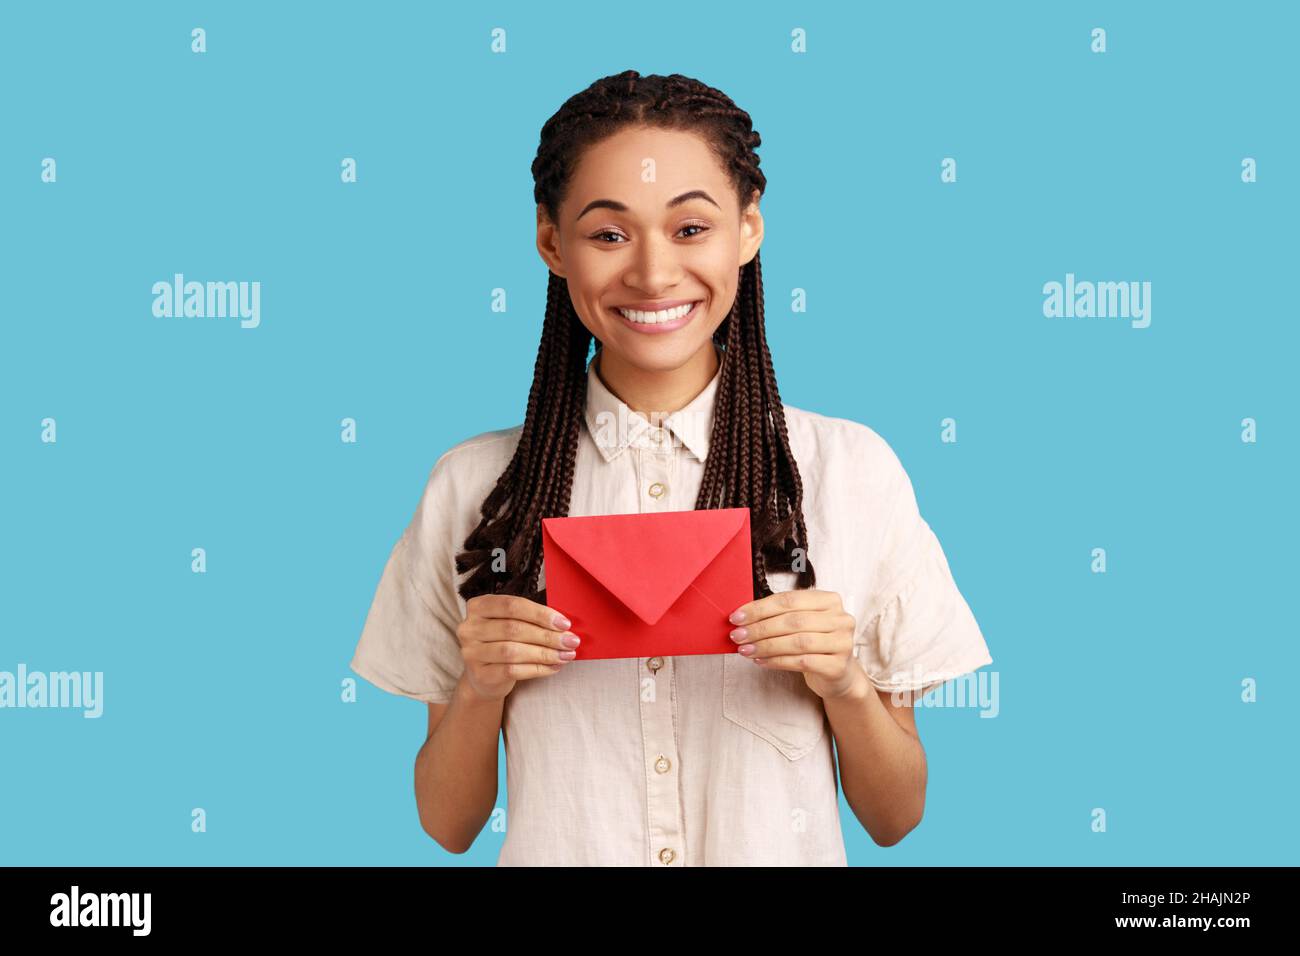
[499, 630]
[790, 622]
[801, 642]
[529, 671]
[764, 607]
[824, 665]
[513, 606]
[515, 652]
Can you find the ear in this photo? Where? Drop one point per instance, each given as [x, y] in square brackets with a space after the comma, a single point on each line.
[751, 230]
[548, 242]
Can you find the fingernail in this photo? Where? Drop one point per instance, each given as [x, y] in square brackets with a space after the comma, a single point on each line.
[737, 617]
[746, 649]
[562, 622]
[739, 634]
[570, 640]
[568, 655]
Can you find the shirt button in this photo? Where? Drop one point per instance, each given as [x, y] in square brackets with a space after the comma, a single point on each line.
[657, 489]
[657, 436]
[654, 663]
[662, 765]
[666, 855]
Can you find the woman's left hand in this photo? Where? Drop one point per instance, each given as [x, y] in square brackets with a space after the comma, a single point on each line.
[802, 630]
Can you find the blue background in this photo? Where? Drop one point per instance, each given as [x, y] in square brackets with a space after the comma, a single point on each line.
[222, 690]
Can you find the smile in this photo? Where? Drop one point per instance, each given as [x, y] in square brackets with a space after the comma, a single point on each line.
[663, 321]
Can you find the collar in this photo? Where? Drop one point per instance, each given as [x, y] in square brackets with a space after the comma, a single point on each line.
[614, 426]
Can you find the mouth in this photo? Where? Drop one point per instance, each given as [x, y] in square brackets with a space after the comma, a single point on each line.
[665, 320]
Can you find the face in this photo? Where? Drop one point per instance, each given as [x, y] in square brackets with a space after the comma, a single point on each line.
[654, 247]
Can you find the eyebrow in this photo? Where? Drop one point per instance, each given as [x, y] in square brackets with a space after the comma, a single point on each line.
[617, 206]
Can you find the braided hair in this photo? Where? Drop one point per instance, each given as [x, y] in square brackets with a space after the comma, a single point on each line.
[749, 464]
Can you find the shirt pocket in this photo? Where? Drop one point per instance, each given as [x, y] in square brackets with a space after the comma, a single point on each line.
[776, 705]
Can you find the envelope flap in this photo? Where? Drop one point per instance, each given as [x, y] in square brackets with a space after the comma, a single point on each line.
[647, 560]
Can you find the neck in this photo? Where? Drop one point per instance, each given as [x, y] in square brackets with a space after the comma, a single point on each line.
[653, 394]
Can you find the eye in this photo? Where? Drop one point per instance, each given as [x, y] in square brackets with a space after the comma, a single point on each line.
[690, 225]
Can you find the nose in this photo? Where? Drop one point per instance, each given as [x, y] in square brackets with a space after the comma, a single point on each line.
[654, 267]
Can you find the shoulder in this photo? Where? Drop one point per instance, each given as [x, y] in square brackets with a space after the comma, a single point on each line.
[844, 451]
[461, 477]
[478, 452]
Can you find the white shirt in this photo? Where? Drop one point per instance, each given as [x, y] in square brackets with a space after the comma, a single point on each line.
[679, 761]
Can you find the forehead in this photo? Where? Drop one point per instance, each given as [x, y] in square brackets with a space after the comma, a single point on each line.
[644, 167]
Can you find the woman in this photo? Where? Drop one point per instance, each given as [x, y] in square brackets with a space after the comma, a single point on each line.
[647, 194]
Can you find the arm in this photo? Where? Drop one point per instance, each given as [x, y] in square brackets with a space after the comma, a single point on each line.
[882, 763]
[456, 768]
[503, 639]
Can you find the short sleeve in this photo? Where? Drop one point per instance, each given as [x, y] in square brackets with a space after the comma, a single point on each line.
[408, 644]
[917, 630]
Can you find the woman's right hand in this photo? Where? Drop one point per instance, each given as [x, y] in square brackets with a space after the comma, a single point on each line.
[505, 639]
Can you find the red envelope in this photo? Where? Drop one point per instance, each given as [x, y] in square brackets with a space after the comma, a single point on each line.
[648, 585]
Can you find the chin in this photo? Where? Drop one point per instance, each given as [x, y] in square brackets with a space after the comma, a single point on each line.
[657, 353]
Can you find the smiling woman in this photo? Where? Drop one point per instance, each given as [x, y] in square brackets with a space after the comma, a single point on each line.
[647, 191]
[660, 248]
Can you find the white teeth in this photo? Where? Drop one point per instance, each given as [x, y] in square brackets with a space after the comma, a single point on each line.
[654, 318]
